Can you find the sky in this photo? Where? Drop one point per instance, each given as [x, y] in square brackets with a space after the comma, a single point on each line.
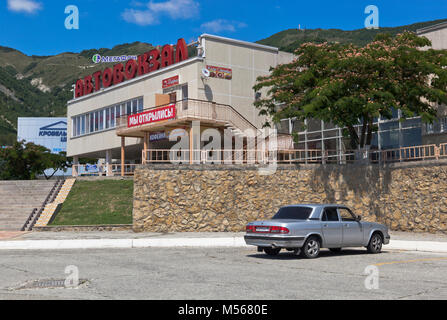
[37, 27]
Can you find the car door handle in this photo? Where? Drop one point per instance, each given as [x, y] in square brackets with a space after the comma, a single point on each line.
[325, 225]
[346, 225]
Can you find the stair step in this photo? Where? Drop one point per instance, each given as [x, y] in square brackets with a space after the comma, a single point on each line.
[19, 198]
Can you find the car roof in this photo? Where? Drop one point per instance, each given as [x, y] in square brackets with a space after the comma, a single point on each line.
[316, 205]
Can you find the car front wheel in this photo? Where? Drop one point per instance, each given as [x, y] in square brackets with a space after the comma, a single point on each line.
[375, 244]
[311, 248]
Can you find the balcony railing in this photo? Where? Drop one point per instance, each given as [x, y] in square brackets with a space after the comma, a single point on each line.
[193, 109]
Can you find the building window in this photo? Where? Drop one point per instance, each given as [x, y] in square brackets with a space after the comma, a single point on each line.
[443, 124]
[104, 118]
[140, 105]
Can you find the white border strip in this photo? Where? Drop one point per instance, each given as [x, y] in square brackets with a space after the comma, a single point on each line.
[121, 243]
[425, 246]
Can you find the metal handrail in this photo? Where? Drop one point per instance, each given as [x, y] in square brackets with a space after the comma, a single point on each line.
[51, 195]
[114, 170]
[414, 153]
[200, 109]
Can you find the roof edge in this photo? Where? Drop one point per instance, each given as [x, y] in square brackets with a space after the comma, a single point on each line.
[240, 42]
[434, 27]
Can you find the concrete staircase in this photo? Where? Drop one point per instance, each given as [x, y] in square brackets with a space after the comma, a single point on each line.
[49, 210]
[19, 198]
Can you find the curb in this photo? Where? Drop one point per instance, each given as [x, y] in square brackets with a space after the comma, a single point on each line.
[121, 243]
[425, 246]
[229, 242]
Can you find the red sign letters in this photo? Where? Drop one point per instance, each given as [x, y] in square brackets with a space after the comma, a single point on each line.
[150, 116]
[147, 62]
[170, 82]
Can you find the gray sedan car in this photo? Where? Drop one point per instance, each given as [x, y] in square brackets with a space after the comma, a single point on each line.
[307, 228]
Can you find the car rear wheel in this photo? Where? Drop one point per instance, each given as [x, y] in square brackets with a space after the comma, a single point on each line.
[272, 251]
[375, 244]
[335, 249]
[311, 248]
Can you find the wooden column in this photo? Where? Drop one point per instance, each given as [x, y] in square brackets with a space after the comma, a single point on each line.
[123, 155]
[145, 146]
[75, 166]
[109, 163]
[191, 145]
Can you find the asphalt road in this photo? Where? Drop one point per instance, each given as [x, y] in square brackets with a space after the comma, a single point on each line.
[193, 273]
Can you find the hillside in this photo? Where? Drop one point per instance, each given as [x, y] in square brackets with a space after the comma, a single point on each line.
[41, 85]
[37, 86]
[289, 40]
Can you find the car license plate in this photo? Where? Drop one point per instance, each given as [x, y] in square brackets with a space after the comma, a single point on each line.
[262, 229]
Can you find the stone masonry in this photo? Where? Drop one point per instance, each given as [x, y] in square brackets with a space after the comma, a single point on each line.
[404, 196]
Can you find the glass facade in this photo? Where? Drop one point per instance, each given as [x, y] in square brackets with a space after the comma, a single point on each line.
[439, 126]
[105, 118]
[318, 136]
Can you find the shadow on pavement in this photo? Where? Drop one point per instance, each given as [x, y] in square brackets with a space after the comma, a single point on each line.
[287, 255]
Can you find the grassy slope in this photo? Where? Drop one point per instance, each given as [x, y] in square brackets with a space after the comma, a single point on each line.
[97, 202]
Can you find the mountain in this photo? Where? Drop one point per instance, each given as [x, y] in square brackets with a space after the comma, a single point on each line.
[40, 86]
[289, 40]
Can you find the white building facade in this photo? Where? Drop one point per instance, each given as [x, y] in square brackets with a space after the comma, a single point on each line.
[128, 114]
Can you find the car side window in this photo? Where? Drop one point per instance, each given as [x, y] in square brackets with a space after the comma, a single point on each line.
[346, 215]
[330, 214]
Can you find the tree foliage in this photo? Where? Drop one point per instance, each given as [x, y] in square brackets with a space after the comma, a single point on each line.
[26, 161]
[349, 85]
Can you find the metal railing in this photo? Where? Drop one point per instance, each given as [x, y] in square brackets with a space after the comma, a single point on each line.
[243, 156]
[443, 150]
[256, 156]
[199, 110]
[102, 170]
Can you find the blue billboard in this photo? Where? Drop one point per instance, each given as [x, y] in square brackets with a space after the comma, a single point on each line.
[48, 132]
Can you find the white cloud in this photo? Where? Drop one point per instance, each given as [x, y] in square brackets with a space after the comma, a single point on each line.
[221, 25]
[28, 6]
[175, 9]
[140, 17]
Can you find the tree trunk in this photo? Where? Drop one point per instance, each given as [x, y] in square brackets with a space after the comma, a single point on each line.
[354, 138]
[370, 131]
[363, 133]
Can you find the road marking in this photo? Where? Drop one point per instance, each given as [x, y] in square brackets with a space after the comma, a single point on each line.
[409, 261]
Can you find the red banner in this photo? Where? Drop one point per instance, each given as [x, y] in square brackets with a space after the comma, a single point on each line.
[170, 82]
[151, 116]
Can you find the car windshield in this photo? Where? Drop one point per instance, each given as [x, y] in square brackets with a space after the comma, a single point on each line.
[297, 213]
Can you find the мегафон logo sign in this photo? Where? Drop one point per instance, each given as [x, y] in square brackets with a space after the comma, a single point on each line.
[97, 58]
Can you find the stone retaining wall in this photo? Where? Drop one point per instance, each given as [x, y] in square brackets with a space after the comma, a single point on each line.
[406, 197]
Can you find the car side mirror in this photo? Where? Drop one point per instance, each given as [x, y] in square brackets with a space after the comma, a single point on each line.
[359, 217]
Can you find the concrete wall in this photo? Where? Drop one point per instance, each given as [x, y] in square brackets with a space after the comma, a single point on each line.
[223, 198]
[248, 61]
[437, 35]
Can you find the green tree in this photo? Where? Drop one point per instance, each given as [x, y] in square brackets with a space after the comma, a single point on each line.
[26, 161]
[23, 161]
[349, 85]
